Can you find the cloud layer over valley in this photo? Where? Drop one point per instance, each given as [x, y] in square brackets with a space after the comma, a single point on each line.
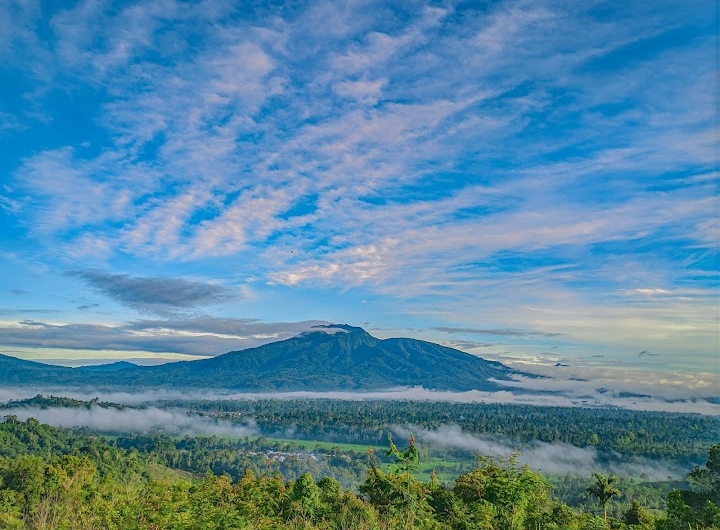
[589, 387]
[132, 420]
[552, 458]
[540, 456]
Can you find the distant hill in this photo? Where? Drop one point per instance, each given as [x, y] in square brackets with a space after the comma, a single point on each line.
[19, 371]
[337, 357]
[112, 367]
[51, 402]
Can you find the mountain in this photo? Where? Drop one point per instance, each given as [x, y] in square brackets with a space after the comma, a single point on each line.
[338, 357]
[112, 367]
[18, 371]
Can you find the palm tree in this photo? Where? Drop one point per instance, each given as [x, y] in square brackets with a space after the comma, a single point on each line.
[604, 490]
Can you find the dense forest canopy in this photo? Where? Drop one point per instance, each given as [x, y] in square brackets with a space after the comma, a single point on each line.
[53, 478]
[682, 438]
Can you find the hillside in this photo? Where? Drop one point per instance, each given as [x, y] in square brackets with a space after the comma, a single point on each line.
[112, 367]
[341, 358]
[156, 481]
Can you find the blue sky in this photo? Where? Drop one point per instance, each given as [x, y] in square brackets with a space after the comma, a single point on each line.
[529, 181]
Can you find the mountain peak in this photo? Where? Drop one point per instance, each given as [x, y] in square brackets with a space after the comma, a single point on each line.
[108, 367]
[340, 328]
[327, 357]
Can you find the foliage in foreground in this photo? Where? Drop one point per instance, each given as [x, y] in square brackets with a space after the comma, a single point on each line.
[82, 482]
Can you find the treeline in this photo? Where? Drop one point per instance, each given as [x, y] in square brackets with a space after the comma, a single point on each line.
[54, 479]
[683, 438]
[48, 402]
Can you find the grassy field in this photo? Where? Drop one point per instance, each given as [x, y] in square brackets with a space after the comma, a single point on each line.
[445, 470]
[310, 445]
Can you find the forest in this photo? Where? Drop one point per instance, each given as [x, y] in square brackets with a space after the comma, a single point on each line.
[613, 434]
[681, 437]
[78, 478]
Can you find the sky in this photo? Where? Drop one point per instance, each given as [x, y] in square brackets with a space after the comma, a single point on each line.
[529, 181]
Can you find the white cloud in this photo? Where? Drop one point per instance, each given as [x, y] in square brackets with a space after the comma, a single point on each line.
[435, 143]
[172, 338]
[545, 457]
[368, 92]
[586, 381]
[135, 420]
[568, 395]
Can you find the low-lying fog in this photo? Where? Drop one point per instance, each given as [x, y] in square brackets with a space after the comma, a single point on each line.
[541, 456]
[134, 420]
[577, 393]
[550, 458]
[560, 387]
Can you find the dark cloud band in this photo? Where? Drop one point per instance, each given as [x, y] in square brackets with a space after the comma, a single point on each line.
[161, 296]
[199, 336]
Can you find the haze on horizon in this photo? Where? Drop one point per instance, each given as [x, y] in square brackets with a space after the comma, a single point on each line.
[528, 181]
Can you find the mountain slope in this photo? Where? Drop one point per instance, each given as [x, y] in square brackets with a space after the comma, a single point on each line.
[340, 358]
[19, 371]
[112, 367]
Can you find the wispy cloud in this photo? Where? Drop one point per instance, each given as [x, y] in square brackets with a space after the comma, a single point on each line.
[544, 154]
[501, 332]
[134, 420]
[692, 403]
[630, 385]
[193, 336]
[546, 457]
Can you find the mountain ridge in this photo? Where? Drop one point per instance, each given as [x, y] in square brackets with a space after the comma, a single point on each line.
[332, 357]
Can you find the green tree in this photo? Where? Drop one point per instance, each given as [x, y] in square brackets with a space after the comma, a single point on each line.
[399, 494]
[706, 480]
[305, 498]
[604, 490]
[331, 494]
[635, 515]
[699, 507]
[511, 496]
